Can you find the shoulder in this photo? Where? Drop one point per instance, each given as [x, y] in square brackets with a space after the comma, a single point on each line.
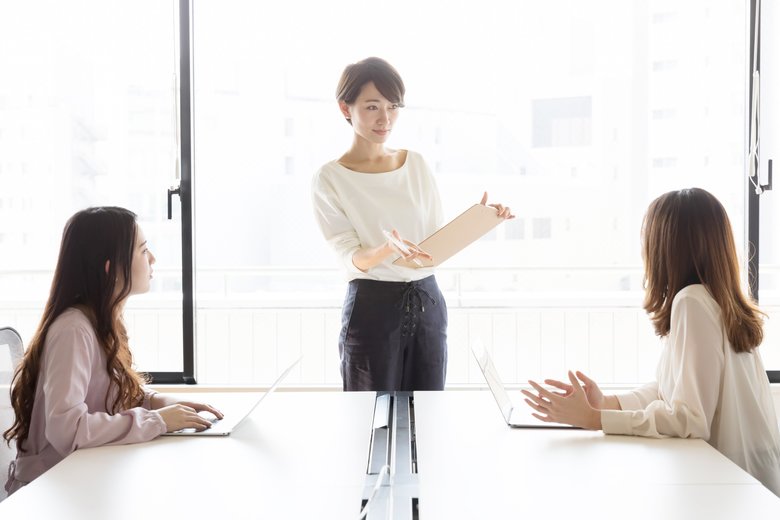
[695, 299]
[72, 326]
[416, 163]
[328, 169]
[72, 318]
[325, 176]
[695, 293]
[330, 166]
[414, 158]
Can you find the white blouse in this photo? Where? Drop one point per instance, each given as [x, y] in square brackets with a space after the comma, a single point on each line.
[353, 208]
[706, 390]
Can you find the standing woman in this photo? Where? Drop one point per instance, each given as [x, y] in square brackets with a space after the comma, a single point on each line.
[394, 320]
[711, 382]
[76, 386]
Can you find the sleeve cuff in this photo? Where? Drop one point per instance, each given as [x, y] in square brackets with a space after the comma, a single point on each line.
[351, 268]
[629, 401]
[163, 427]
[616, 422]
[148, 394]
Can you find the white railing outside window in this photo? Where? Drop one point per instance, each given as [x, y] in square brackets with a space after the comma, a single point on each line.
[246, 337]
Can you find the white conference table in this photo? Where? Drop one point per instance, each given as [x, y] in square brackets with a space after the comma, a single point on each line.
[304, 455]
[299, 455]
[473, 466]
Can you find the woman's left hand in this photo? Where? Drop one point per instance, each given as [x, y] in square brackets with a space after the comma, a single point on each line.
[201, 407]
[566, 408]
[162, 400]
[503, 211]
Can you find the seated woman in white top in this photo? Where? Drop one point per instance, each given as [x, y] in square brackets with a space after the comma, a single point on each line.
[76, 387]
[711, 383]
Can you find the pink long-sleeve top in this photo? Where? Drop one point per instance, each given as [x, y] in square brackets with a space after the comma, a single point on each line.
[69, 411]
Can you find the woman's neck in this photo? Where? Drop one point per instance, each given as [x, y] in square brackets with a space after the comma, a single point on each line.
[363, 151]
[372, 158]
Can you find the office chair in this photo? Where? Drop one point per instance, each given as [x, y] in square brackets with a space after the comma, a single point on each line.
[11, 351]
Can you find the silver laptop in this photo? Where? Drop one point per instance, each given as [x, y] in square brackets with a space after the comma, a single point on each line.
[226, 425]
[515, 416]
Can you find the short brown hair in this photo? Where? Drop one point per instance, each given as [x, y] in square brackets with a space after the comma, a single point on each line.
[385, 78]
[687, 239]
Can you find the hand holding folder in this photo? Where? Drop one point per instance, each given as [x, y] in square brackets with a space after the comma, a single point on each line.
[464, 229]
[403, 248]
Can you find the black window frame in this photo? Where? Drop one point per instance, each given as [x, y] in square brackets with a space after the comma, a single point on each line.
[185, 193]
[754, 197]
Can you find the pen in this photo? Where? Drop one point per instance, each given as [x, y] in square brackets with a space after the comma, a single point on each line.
[400, 245]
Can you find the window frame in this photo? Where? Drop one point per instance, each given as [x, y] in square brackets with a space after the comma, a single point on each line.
[754, 198]
[184, 191]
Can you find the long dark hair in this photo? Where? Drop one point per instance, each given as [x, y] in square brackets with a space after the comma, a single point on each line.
[91, 238]
[687, 238]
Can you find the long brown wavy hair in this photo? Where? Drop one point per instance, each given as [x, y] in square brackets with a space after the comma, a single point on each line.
[91, 237]
[687, 239]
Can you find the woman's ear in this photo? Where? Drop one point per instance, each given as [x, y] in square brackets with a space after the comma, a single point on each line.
[108, 264]
[345, 110]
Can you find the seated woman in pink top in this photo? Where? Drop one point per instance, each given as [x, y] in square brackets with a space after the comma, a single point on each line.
[76, 387]
[710, 382]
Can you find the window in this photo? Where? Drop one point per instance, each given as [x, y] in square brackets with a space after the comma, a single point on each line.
[542, 227]
[664, 162]
[562, 122]
[515, 229]
[87, 119]
[536, 106]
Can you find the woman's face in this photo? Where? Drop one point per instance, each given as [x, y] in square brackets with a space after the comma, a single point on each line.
[141, 269]
[372, 115]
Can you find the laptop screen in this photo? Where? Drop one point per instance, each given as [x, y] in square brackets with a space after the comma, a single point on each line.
[485, 363]
[238, 415]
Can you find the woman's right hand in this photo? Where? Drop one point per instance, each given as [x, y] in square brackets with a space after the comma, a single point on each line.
[411, 252]
[592, 391]
[178, 416]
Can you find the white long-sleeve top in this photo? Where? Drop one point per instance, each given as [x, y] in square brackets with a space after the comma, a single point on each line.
[69, 410]
[706, 390]
[352, 209]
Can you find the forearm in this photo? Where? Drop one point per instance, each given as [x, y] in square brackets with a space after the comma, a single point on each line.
[366, 258]
[639, 398]
[158, 401]
[76, 428]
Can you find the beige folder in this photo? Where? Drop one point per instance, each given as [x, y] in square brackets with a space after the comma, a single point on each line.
[464, 229]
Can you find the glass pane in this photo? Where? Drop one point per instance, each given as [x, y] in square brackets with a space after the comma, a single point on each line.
[87, 119]
[576, 124]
